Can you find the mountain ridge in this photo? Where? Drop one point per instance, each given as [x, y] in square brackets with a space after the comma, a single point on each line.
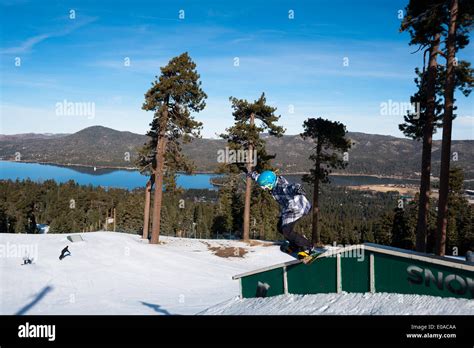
[48, 135]
[371, 154]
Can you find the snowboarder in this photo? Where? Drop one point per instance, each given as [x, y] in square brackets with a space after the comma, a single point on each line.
[27, 260]
[293, 206]
[65, 252]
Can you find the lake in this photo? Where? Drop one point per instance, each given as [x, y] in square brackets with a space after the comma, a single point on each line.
[119, 178]
[130, 179]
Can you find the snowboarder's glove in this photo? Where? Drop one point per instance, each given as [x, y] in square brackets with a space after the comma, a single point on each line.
[299, 190]
[253, 175]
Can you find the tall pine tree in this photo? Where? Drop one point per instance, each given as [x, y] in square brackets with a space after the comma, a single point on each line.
[173, 96]
[251, 119]
[461, 14]
[423, 21]
[330, 145]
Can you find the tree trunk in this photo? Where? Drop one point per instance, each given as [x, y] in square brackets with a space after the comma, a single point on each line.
[262, 233]
[423, 204]
[315, 235]
[160, 159]
[146, 216]
[248, 189]
[447, 127]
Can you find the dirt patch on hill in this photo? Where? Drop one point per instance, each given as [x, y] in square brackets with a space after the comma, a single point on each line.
[225, 251]
[261, 243]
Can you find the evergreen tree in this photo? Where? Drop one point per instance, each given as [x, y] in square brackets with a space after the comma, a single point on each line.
[173, 96]
[3, 218]
[330, 143]
[423, 21]
[383, 229]
[461, 14]
[61, 224]
[402, 236]
[458, 214]
[245, 135]
[224, 219]
[145, 163]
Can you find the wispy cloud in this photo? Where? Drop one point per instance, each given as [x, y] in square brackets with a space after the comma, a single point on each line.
[243, 39]
[27, 45]
[275, 66]
[135, 65]
[30, 81]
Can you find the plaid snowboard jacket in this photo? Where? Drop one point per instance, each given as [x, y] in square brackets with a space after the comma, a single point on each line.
[293, 205]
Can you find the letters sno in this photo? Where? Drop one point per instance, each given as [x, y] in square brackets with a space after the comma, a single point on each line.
[454, 283]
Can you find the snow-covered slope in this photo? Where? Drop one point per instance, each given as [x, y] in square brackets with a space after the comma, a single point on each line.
[344, 303]
[116, 273]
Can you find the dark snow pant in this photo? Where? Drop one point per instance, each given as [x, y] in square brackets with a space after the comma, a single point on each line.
[65, 252]
[293, 237]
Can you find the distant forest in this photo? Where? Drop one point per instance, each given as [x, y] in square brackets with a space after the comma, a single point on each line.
[347, 216]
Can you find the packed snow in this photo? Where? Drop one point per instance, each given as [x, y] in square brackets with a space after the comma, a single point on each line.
[118, 273]
[344, 303]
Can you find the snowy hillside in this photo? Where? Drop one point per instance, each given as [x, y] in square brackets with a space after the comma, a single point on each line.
[116, 273]
[345, 303]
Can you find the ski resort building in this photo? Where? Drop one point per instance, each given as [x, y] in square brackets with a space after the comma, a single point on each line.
[364, 268]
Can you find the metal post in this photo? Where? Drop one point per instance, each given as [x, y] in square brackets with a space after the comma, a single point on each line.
[338, 274]
[372, 272]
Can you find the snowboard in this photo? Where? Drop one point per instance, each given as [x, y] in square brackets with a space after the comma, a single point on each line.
[298, 254]
[310, 258]
[288, 249]
[27, 261]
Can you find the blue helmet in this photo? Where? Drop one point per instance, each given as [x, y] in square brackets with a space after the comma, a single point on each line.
[267, 179]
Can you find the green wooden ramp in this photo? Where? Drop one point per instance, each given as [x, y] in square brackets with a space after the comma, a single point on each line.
[365, 268]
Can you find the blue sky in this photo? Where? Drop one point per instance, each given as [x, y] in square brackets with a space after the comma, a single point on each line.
[298, 63]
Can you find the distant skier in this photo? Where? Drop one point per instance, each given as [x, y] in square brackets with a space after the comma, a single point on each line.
[293, 206]
[65, 252]
[27, 260]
